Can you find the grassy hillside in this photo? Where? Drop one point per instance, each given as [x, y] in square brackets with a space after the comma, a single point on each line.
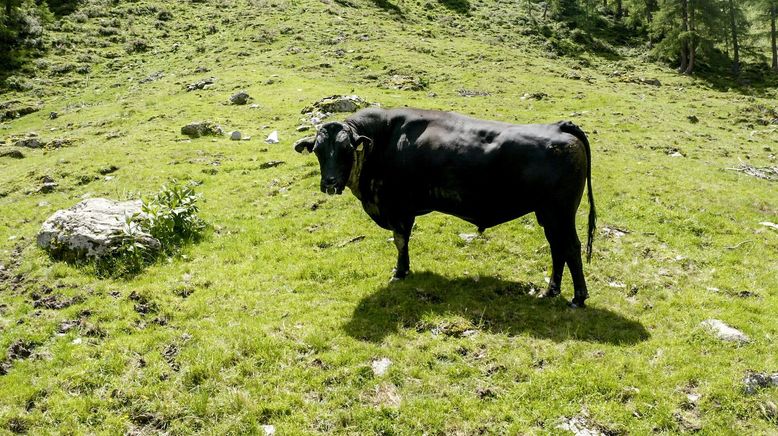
[277, 316]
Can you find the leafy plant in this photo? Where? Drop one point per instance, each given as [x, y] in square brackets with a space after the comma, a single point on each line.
[171, 215]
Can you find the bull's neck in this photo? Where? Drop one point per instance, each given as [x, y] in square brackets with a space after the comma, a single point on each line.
[356, 172]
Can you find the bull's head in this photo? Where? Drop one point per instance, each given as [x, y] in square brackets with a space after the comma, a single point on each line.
[335, 145]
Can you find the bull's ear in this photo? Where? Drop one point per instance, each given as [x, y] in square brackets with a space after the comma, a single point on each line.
[305, 144]
[359, 142]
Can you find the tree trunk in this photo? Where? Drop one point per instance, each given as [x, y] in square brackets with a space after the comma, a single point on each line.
[692, 45]
[7, 8]
[684, 31]
[619, 9]
[735, 46]
[773, 13]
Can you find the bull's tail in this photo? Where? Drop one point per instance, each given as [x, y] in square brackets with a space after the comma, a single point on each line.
[569, 127]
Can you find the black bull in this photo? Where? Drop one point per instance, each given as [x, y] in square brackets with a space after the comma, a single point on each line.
[402, 163]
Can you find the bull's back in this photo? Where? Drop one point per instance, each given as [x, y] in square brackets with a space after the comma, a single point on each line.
[484, 172]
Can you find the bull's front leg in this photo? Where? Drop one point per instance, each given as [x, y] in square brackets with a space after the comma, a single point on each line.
[402, 234]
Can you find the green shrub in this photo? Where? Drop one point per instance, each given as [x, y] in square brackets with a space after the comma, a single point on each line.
[171, 215]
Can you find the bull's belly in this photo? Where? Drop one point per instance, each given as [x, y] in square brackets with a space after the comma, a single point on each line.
[483, 216]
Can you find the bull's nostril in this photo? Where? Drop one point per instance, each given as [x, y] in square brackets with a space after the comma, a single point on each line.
[329, 180]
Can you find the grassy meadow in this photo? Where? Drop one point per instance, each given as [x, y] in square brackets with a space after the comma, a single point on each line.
[277, 316]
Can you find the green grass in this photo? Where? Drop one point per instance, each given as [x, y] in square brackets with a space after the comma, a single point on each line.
[274, 318]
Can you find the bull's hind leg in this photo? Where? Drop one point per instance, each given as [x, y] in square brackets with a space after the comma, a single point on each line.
[556, 242]
[565, 248]
[402, 234]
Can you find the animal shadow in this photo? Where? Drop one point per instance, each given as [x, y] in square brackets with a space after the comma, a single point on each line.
[491, 304]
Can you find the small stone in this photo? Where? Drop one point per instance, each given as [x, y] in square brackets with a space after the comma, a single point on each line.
[29, 143]
[753, 381]
[380, 366]
[235, 136]
[77, 341]
[203, 128]
[270, 430]
[468, 237]
[725, 332]
[270, 164]
[201, 84]
[53, 115]
[272, 138]
[13, 154]
[240, 98]
[693, 119]
[303, 128]
[338, 103]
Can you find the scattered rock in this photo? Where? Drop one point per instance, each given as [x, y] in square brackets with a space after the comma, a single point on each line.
[303, 128]
[53, 115]
[753, 381]
[573, 75]
[468, 237]
[11, 110]
[725, 332]
[203, 128]
[271, 164]
[272, 138]
[580, 426]
[404, 83]
[90, 229]
[58, 143]
[235, 136]
[270, 430]
[201, 84]
[337, 103]
[534, 96]
[108, 170]
[472, 93]
[380, 366]
[640, 80]
[30, 143]
[693, 119]
[201, 70]
[153, 77]
[614, 232]
[13, 154]
[240, 98]
[47, 185]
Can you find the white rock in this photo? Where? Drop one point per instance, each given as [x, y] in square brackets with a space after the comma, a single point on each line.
[769, 224]
[579, 426]
[468, 237]
[725, 332]
[269, 430]
[380, 366]
[272, 138]
[77, 341]
[89, 229]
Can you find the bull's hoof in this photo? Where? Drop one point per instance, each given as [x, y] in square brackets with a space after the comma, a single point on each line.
[575, 304]
[551, 292]
[398, 275]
